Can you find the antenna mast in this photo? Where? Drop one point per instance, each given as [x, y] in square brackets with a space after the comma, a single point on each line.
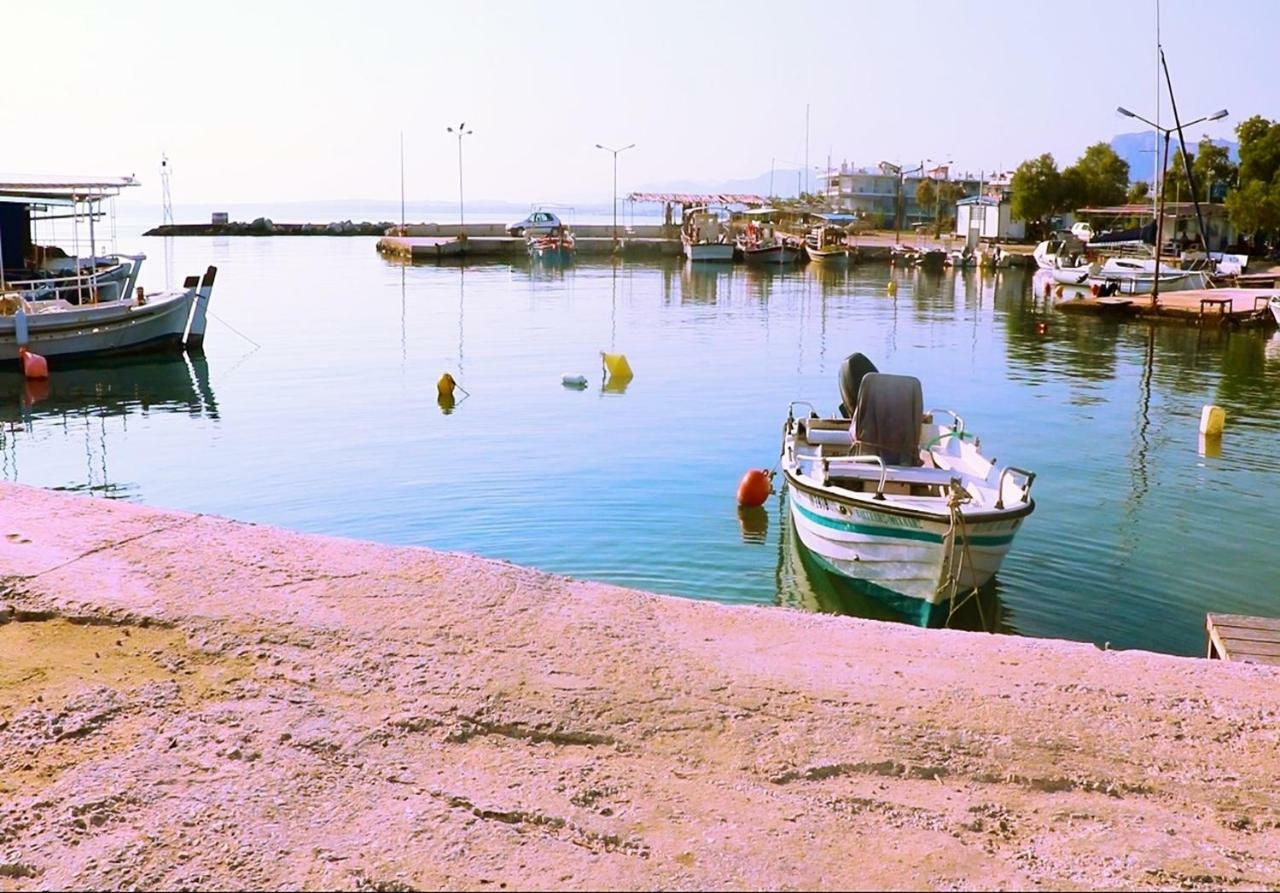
[167, 219]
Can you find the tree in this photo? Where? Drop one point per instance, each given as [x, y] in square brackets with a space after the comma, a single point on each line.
[1254, 206]
[1176, 187]
[1255, 203]
[1099, 177]
[1212, 167]
[1037, 190]
[1138, 192]
[927, 195]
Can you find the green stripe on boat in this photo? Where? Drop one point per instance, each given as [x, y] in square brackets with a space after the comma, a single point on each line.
[898, 533]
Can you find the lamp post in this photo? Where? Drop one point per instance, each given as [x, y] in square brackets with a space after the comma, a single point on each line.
[461, 131]
[1164, 160]
[900, 173]
[615, 186]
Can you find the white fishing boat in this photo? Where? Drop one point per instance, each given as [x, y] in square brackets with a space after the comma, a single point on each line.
[704, 233]
[826, 244]
[897, 501]
[1274, 304]
[1046, 253]
[56, 303]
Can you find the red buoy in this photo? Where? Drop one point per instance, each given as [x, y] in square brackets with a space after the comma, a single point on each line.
[754, 488]
[33, 365]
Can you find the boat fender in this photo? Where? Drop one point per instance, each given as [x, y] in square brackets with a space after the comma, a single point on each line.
[754, 488]
[574, 381]
[1212, 420]
[34, 366]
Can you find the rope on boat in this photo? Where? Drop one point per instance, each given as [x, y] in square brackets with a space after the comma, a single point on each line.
[955, 560]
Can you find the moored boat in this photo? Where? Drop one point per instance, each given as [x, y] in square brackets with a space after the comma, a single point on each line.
[896, 501]
[1274, 304]
[57, 304]
[704, 233]
[826, 244]
[553, 247]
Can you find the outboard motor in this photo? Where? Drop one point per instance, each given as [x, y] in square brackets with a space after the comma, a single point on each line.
[851, 371]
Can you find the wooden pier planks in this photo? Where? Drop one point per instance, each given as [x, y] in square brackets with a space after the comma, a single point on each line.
[1243, 306]
[1236, 637]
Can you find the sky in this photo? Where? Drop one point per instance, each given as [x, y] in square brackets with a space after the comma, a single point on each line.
[299, 101]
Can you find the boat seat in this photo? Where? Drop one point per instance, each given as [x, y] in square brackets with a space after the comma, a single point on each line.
[886, 420]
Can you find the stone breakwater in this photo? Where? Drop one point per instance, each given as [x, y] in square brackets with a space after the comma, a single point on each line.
[188, 701]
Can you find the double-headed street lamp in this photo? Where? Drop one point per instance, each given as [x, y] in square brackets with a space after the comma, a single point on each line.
[615, 186]
[1204, 237]
[461, 131]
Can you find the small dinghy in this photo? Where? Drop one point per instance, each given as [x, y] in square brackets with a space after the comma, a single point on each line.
[897, 501]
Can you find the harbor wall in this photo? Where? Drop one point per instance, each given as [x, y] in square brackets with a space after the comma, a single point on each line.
[190, 701]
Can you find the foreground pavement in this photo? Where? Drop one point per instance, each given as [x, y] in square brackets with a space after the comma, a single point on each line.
[188, 701]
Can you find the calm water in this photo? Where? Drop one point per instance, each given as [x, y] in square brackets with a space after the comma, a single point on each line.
[330, 424]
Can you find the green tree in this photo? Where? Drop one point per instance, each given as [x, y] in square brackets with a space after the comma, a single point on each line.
[1259, 149]
[927, 196]
[1176, 188]
[1213, 167]
[1037, 190]
[1138, 192]
[1254, 206]
[1099, 177]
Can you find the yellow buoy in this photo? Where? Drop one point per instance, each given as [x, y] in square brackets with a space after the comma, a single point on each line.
[1212, 418]
[893, 288]
[445, 386]
[616, 365]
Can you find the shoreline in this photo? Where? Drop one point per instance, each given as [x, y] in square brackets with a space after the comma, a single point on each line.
[188, 700]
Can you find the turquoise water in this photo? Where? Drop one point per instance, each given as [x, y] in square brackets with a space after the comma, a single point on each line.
[328, 422]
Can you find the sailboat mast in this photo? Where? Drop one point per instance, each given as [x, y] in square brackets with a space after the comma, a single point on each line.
[1155, 134]
[402, 182]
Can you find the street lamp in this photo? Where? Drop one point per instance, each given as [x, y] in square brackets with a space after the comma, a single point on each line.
[461, 131]
[615, 186]
[1204, 238]
[900, 173]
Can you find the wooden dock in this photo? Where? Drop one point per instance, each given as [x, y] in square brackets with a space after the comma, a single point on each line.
[1245, 639]
[1237, 306]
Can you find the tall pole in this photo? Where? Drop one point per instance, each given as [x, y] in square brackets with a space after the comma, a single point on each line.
[806, 147]
[1155, 280]
[461, 132]
[615, 153]
[402, 182]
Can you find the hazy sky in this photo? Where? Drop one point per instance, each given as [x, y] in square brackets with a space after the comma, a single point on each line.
[255, 101]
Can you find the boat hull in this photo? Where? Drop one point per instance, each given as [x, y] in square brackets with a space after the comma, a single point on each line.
[709, 252]
[900, 559]
[777, 255]
[1275, 309]
[829, 256]
[112, 328]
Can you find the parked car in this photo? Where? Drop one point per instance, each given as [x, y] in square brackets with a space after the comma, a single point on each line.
[539, 223]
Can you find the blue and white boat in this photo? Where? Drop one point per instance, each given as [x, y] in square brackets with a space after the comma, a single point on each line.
[900, 502]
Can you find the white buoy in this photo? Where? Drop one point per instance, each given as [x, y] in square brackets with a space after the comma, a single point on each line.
[573, 381]
[1212, 419]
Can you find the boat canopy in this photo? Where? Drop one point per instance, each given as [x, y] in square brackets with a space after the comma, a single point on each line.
[61, 191]
[697, 198]
[1144, 235]
[838, 218]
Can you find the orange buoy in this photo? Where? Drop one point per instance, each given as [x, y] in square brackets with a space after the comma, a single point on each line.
[33, 365]
[754, 488]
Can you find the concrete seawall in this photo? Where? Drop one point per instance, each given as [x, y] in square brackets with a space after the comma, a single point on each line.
[188, 701]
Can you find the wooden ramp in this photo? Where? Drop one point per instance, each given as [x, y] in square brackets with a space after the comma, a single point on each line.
[1246, 639]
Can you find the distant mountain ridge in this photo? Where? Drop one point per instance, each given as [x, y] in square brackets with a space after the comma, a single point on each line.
[1139, 150]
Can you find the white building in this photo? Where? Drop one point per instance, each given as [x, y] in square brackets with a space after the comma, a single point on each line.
[990, 216]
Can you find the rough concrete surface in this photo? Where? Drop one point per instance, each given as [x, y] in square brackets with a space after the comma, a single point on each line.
[193, 702]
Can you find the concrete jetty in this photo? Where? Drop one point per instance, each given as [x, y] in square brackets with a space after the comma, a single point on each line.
[192, 702]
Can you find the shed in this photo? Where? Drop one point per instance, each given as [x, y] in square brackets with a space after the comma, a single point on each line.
[991, 217]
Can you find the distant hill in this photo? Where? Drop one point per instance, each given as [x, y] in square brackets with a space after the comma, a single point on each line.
[1139, 150]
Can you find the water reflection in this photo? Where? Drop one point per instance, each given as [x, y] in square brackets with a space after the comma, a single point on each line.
[91, 402]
